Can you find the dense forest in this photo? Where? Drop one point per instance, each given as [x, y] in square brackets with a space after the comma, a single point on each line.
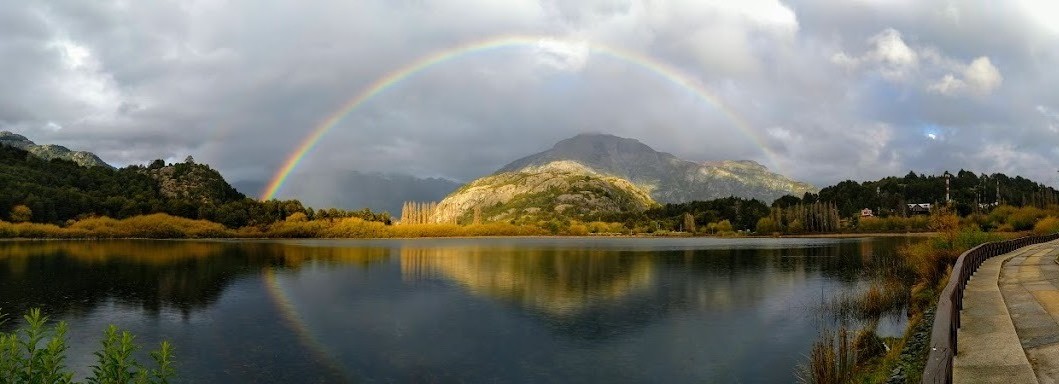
[57, 191]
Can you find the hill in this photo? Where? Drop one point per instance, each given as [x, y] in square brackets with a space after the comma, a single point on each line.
[191, 182]
[59, 190]
[555, 190]
[667, 178]
[51, 151]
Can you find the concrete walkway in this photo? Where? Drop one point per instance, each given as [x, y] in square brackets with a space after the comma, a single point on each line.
[1010, 329]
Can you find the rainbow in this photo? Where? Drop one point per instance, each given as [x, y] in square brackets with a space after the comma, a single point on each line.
[381, 84]
[294, 321]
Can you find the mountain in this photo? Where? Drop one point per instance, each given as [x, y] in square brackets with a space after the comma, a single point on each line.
[356, 190]
[667, 178]
[558, 189]
[51, 151]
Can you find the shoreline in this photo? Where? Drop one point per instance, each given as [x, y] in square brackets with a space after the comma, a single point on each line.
[616, 236]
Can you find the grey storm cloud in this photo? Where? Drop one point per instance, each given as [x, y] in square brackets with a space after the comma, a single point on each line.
[829, 90]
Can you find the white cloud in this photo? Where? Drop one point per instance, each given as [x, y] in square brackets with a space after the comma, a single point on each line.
[1051, 118]
[898, 62]
[895, 59]
[889, 56]
[1043, 13]
[979, 78]
[562, 55]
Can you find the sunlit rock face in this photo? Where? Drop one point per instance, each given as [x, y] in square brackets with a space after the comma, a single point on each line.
[558, 189]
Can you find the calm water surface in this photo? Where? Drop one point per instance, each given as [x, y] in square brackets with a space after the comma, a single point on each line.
[451, 310]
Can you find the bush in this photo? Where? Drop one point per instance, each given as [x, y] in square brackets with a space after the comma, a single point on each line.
[893, 224]
[21, 214]
[37, 354]
[1025, 218]
[1047, 226]
[866, 346]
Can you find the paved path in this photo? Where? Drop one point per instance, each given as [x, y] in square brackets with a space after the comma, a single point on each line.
[1010, 329]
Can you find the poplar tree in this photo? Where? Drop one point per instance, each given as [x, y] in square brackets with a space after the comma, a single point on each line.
[689, 223]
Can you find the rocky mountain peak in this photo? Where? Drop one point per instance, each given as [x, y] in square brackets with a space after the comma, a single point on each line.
[14, 139]
[668, 178]
[51, 151]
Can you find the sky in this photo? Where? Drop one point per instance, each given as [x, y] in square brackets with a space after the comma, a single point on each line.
[821, 91]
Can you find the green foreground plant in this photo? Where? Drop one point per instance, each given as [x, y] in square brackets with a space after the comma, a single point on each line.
[36, 354]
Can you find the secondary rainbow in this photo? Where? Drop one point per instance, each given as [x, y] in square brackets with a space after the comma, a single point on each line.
[664, 70]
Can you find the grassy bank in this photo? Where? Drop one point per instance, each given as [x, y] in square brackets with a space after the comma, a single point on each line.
[913, 283]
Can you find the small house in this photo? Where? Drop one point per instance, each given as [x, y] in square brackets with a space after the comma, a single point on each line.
[866, 212]
[919, 209]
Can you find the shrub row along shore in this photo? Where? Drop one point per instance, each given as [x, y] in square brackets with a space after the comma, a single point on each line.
[164, 226]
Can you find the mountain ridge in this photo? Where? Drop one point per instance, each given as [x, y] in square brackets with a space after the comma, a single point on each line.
[600, 174]
[51, 151]
[668, 178]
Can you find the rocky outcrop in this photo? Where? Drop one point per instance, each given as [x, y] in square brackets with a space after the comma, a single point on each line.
[559, 189]
[190, 181]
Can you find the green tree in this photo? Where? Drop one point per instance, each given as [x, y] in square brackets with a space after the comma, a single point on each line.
[766, 225]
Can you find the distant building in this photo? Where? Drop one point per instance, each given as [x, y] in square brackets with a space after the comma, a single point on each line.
[866, 212]
[919, 209]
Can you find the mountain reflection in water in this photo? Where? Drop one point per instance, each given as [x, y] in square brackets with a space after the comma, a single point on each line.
[512, 310]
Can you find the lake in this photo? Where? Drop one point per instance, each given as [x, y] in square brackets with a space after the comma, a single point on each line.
[509, 310]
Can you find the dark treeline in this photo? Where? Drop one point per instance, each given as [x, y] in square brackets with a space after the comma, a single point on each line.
[969, 192]
[57, 191]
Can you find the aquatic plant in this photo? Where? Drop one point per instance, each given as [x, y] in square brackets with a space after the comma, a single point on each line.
[831, 360]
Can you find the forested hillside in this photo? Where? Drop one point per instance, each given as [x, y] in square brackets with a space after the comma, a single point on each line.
[55, 191]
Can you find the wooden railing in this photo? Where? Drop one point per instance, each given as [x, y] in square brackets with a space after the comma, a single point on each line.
[947, 317]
